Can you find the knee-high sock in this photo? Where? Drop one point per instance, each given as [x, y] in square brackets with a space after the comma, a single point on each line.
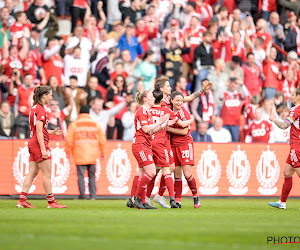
[142, 186]
[162, 186]
[134, 185]
[23, 197]
[178, 189]
[150, 187]
[169, 183]
[286, 188]
[192, 185]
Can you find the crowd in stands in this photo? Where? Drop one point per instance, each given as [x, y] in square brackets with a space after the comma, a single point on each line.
[248, 49]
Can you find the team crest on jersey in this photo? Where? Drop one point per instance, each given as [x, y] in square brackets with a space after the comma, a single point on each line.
[267, 172]
[118, 171]
[97, 176]
[21, 168]
[60, 169]
[209, 172]
[238, 172]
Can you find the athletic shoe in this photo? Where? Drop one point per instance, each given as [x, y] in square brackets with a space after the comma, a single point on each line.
[147, 206]
[149, 202]
[278, 204]
[173, 203]
[161, 201]
[196, 202]
[55, 205]
[24, 204]
[178, 204]
[130, 204]
[138, 203]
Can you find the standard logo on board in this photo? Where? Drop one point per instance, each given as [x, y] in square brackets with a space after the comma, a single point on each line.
[60, 170]
[97, 176]
[267, 172]
[238, 172]
[21, 169]
[209, 172]
[118, 171]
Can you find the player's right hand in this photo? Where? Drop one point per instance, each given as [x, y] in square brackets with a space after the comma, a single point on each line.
[45, 154]
[164, 118]
[272, 117]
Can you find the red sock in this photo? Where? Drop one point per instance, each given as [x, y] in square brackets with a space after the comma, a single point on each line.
[142, 186]
[178, 189]
[50, 198]
[286, 188]
[162, 186]
[23, 197]
[192, 185]
[169, 183]
[150, 187]
[134, 185]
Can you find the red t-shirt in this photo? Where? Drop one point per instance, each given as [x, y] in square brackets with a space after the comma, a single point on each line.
[271, 70]
[260, 131]
[38, 113]
[232, 108]
[13, 63]
[178, 140]
[265, 35]
[32, 62]
[142, 118]
[53, 66]
[293, 119]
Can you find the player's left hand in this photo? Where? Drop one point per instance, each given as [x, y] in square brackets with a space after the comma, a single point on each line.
[171, 122]
[272, 117]
[207, 85]
[57, 131]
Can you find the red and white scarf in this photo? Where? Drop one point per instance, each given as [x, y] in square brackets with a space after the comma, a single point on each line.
[288, 88]
[208, 110]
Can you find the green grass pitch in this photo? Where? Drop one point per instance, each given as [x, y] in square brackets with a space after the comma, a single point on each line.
[109, 224]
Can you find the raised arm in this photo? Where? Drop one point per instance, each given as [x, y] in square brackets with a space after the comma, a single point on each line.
[206, 86]
[284, 124]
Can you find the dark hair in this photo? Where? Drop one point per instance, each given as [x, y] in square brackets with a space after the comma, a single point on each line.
[5, 102]
[176, 93]
[283, 108]
[28, 74]
[73, 77]
[148, 53]
[84, 109]
[140, 97]
[207, 33]
[124, 81]
[39, 92]
[59, 90]
[158, 95]
[222, 8]
[249, 54]
[160, 82]
[51, 39]
[18, 14]
[236, 59]
[298, 91]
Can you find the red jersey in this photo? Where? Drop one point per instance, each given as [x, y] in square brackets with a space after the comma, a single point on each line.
[252, 79]
[24, 95]
[80, 3]
[178, 35]
[249, 115]
[271, 70]
[38, 113]
[260, 131]
[157, 112]
[178, 140]
[32, 63]
[232, 108]
[18, 31]
[96, 31]
[293, 119]
[167, 102]
[265, 35]
[53, 67]
[268, 5]
[142, 118]
[288, 88]
[13, 63]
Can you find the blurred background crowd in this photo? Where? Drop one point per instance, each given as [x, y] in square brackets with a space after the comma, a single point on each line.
[101, 53]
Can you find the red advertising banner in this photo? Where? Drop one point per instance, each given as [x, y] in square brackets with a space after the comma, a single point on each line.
[220, 170]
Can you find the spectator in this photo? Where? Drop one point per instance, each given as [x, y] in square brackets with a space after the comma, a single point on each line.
[219, 78]
[134, 12]
[78, 65]
[52, 61]
[20, 28]
[257, 49]
[252, 77]
[279, 100]
[7, 121]
[203, 59]
[113, 13]
[249, 114]
[268, 108]
[77, 12]
[130, 42]
[221, 17]
[57, 91]
[79, 97]
[203, 108]
[175, 33]
[260, 130]
[36, 41]
[218, 133]
[5, 23]
[86, 142]
[189, 12]
[37, 11]
[78, 39]
[205, 10]
[267, 7]
[232, 108]
[129, 67]
[22, 106]
[233, 68]
[292, 34]
[92, 89]
[282, 136]
[146, 70]
[261, 32]
[201, 135]
[116, 69]
[15, 81]
[289, 84]
[128, 122]
[33, 65]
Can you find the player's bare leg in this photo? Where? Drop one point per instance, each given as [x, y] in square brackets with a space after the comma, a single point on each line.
[187, 171]
[33, 172]
[287, 186]
[45, 167]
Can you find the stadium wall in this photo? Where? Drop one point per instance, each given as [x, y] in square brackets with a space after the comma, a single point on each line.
[234, 169]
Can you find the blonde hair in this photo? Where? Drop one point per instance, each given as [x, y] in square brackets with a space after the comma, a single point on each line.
[139, 97]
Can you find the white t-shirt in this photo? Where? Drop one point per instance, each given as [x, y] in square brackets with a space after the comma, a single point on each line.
[281, 136]
[85, 45]
[221, 136]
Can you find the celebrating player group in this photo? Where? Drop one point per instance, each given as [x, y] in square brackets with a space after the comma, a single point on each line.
[163, 142]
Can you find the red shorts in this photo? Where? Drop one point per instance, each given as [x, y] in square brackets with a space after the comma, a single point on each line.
[142, 154]
[170, 152]
[294, 158]
[184, 155]
[36, 154]
[160, 155]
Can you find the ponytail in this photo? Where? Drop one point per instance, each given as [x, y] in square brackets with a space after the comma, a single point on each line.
[158, 95]
[39, 92]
